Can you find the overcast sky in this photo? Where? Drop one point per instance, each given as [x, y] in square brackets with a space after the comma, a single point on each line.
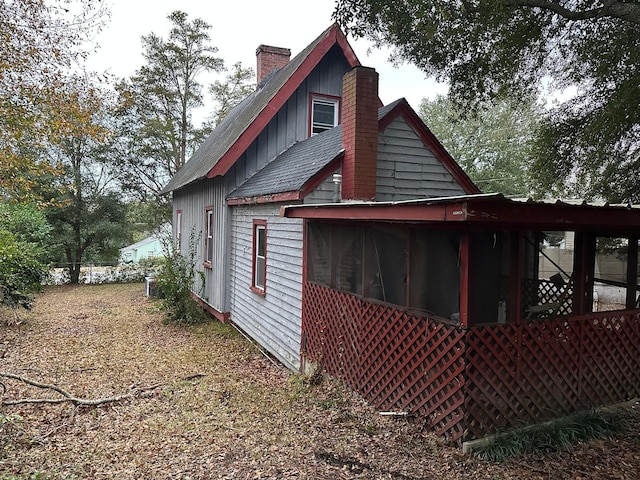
[238, 27]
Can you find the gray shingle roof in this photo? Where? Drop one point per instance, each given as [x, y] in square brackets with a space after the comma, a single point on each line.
[293, 167]
[297, 165]
[236, 123]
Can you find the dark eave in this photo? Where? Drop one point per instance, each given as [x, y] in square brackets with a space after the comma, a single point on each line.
[484, 210]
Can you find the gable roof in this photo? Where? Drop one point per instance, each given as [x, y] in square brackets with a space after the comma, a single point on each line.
[244, 123]
[293, 169]
[286, 177]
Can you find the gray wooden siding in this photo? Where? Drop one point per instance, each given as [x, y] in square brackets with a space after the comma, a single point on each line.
[323, 193]
[407, 169]
[290, 125]
[193, 200]
[273, 320]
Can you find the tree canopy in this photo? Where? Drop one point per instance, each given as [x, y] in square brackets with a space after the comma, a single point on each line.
[157, 104]
[41, 44]
[487, 48]
[493, 145]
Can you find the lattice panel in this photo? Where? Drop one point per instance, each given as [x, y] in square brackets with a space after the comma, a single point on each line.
[522, 374]
[331, 323]
[611, 358]
[396, 361]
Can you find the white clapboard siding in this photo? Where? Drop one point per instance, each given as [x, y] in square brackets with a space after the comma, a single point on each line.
[273, 320]
[192, 201]
[407, 168]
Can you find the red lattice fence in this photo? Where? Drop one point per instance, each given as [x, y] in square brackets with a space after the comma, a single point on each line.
[395, 360]
[519, 374]
[474, 382]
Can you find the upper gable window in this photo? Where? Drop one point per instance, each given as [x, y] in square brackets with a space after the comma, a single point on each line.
[325, 112]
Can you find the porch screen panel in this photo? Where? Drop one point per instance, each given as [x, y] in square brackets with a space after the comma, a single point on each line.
[610, 274]
[347, 257]
[385, 259]
[434, 286]
[319, 257]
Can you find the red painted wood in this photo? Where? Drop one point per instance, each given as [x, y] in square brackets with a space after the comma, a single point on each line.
[632, 272]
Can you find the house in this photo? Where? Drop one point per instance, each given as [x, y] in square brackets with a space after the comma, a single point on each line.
[314, 131]
[338, 232]
[148, 248]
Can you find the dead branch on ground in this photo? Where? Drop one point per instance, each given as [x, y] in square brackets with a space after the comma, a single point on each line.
[68, 397]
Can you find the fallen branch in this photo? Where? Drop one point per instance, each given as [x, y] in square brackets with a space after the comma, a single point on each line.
[67, 397]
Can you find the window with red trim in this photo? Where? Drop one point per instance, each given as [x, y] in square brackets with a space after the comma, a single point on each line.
[208, 238]
[324, 113]
[259, 274]
[179, 230]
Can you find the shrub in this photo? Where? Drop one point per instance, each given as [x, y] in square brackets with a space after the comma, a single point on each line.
[176, 281]
[21, 273]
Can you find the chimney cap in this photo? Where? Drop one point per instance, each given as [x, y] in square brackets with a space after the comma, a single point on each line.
[271, 49]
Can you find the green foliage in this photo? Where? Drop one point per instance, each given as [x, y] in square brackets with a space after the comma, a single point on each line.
[237, 86]
[28, 224]
[491, 48]
[21, 274]
[156, 106]
[558, 435]
[176, 281]
[493, 145]
[146, 217]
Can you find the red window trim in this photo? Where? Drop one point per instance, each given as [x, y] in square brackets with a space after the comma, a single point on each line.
[254, 288]
[178, 238]
[322, 96]
[208, 263]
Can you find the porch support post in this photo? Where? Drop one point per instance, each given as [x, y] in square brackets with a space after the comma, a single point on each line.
[465, 290]
[516, 272]
[583, 265]
[590, 272]
[632, 272]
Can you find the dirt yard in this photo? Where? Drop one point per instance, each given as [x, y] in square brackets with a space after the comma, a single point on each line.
[207, 405]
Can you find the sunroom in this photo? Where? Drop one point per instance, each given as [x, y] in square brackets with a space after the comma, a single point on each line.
[477, 313]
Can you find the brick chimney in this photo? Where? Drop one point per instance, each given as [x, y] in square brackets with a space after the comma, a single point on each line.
[360, 133]
[270, 59]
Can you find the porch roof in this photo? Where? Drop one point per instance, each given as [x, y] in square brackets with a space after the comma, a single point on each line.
[488, 210]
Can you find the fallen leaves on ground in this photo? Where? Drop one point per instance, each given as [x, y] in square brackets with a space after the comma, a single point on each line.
[210, 406]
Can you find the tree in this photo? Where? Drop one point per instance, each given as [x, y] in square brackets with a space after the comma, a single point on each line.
[157, 103]
[488, 48]
[493, 145]
[87, 215]
[40, 43]
[236, 87]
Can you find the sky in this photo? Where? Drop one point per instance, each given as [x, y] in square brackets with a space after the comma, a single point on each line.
[238, 27]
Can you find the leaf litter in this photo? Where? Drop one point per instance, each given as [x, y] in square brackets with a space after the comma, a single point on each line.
[210, 406]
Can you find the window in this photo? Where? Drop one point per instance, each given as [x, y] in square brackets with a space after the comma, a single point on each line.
[179, 230]
[258, 283]
[324, 113]
[208, 238]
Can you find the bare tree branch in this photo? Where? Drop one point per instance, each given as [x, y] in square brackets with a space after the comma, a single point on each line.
[610, 8]
[67, 397]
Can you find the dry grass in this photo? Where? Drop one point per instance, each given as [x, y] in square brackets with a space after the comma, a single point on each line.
[213, 407]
